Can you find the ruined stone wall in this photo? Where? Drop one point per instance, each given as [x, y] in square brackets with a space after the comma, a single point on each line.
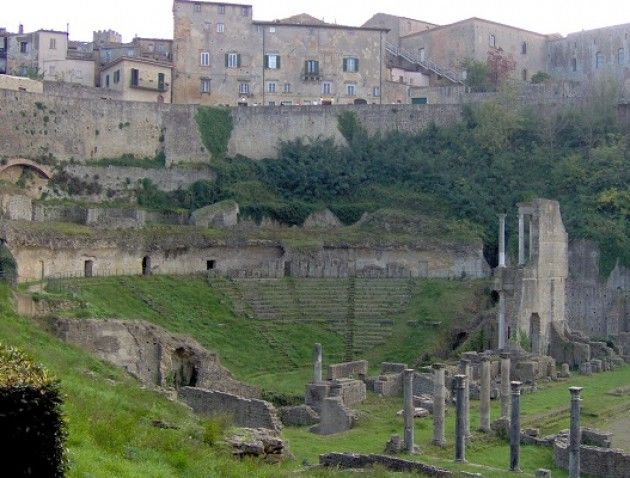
[150, 353]
[594, 461]
[15, 207]
[596, 306]
[251, 413]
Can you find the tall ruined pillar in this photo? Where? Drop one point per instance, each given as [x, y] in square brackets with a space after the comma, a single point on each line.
[460, 428]
[464, 369]
[502, 240]
[408, 408]
[515, 427]
[521, 239]
[439, 404]
[484, 395]
[505, 385]
[317, 363]
[575, 433]
[501, 323]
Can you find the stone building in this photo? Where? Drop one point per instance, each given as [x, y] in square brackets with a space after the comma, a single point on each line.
[397, 26]
[223, 57]
[588, 55]
[138, 79]
[511, 51]
[4, 37]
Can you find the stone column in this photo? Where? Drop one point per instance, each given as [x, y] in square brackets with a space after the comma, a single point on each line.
[439, 404]
[575, 433]
[464, 369]
[501, 329]
[408, 408]
[505, 385]
[484, 395]
[317, 363]
[521, 239]
[502, 240]
[460, 429]
[515, 427]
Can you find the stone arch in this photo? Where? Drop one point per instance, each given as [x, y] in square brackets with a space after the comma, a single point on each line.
[43, 171]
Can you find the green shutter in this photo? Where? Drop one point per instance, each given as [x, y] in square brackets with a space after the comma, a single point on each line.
[306, 67]
[238, 60]
[356, 64]
[317, 67]
[345, 64]
[226, 60]
[266, 61]
[278, 62]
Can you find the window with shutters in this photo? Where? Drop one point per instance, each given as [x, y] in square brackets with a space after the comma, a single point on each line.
[52, 45]
[272, 62]
[232, 60]
[286, 88]
[243, 88]
[222, 9]
[351, 89]
[376, 91]
[311, 67]
[107, 81]
[599, 59]
[117, 76]
[135, 77]
[271, 87]
[205, 85]
[220, 27]
[621, 56]
[351, 65]
[327, 88]
[197, 7]
[204, 59]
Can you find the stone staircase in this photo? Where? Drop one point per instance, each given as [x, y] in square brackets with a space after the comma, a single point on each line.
[361, 310]
[425, 63]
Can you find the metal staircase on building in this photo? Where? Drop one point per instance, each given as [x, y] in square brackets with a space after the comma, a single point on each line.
[424, 63]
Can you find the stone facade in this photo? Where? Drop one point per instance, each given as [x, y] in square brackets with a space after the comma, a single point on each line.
[356, 369]
[150, 353]
[594, 461]
[15, 206]
[245, 412]
[334, 417]
[223, 57]
[397, 26]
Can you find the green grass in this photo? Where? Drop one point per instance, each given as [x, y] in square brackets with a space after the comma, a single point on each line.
[274, 355]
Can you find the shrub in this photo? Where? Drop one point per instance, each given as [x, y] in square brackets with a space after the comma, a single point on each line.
[215, 128]
[33, 429]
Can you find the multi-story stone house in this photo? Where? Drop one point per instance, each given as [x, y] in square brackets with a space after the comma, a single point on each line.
[138, 79]
[224, 57]
[4, 37]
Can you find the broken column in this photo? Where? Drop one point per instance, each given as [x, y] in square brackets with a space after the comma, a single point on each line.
[408, 408]
[439, 404]
[484, 395]
[317, 363]
[464, 369]
[575, 433]
[502, 240]
[505, 385]
[521, 238]
[515, 427]
[460, 426]
[501, 328]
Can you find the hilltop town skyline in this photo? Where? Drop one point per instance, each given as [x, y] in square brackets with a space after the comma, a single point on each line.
[36, 14]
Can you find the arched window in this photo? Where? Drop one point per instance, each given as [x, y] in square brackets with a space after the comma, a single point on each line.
[599, 60]
[524, 48]
[524, 74]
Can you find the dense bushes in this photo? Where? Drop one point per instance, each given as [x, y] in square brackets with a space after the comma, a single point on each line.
[33, 431]
[215, 128]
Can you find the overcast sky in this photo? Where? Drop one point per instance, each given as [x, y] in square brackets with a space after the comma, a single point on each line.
[153, 18]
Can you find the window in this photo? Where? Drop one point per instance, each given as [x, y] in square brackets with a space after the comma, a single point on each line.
[197, 7]
[245, 11]
[351, 89]
[271, 87]
[23, 47]
[204, 58]
[220, 27]
[222, 9]
[327, 88]
[524, 74]
[311, 67]
[117, 76]
[108, 55]
[351, 65]
[210, 264]
[599, 59]
[232, 60]
[161, 82]
[243, 88]
[621, 56]
[131, 52]
[205, 85]
[574, 64]
[524, 48]
[376, 91]
[135, 77]
[51, 70]
[107, 81]
[272, 62]
[272, 29]
[286, 88]
[52, 45]
[492, 40]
